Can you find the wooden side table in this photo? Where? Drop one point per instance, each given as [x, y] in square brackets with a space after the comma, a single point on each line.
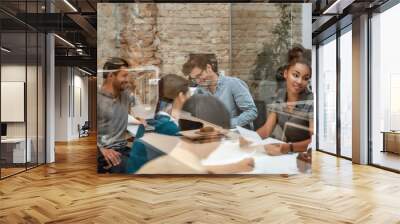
[391, 141]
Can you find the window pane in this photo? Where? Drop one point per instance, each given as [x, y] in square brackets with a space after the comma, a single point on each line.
[385, 89]
[346, 94]
[327, 97]
[14, 153]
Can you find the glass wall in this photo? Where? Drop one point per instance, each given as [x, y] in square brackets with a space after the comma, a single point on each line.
[269, 58]
[385, 89]
[327, 96]
[346, 93]
[22, 90]
[13, 86]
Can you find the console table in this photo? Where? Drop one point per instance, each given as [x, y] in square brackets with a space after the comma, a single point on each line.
[391, 141]
[13, 150]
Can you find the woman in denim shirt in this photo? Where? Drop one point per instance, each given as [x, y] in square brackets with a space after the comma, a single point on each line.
[292, 109]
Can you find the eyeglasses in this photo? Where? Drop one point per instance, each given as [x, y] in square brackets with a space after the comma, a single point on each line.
[197, 76]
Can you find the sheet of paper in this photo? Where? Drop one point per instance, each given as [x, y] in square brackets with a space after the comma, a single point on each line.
[268, 141]
[132, 120]
[249, 135]
[144, 111]
[132, 129]
[253, 137]
[229, 152]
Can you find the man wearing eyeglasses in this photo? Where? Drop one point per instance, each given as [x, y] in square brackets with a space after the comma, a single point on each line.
[233, 92]
[113, 102]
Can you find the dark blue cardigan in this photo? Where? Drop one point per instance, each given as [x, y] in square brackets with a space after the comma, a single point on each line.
[139, 154]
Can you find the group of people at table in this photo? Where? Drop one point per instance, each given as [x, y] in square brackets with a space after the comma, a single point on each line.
[218, 99]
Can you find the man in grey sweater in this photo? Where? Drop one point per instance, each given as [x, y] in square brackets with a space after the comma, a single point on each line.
[113, 102]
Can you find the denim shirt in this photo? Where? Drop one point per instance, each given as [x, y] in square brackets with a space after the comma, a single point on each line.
[235, 95]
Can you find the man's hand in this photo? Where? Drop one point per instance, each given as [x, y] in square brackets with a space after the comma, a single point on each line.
[112, 157]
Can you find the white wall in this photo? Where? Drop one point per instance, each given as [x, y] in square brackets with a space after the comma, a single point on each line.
[12, 73]
[16, 73]
[61, 103]
[79, 117]
[69, 82]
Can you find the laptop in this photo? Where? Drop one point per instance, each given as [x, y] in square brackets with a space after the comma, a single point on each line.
[294, 132]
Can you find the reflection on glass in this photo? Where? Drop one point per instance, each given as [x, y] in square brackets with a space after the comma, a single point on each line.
[15, 150]
[22, 84]
[385, 86]
[248, 76]
[327, 97]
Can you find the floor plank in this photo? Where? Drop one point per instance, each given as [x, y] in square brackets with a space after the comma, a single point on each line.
[70, 191]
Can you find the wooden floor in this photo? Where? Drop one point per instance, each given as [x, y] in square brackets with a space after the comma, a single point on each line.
[386, 159]
[10, 171]
[5, 172]
[70, 191]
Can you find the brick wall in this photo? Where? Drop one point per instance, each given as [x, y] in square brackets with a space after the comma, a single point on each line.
[164, 34]
[192, 28]
[252, 26]
[128, 31]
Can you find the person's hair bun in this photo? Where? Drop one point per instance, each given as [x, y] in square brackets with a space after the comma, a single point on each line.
[298, 54]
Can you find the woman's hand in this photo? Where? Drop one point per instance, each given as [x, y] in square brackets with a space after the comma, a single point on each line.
[141, 121]
[243, 142]
[304, 156]
[245, 165]
[277, 149]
